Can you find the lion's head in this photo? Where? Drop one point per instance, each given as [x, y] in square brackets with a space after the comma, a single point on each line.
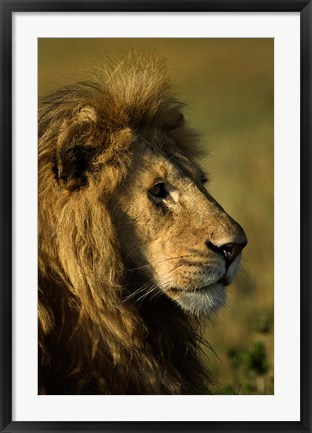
[172, 230]
[125, 217]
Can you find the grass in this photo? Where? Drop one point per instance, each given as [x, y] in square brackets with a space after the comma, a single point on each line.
[228, 85]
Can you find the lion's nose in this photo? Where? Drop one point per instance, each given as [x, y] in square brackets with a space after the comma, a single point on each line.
[229, 251]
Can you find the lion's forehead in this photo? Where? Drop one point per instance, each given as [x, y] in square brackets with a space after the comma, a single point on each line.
[154, 164]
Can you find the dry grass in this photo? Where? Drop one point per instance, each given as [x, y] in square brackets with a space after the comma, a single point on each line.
[228, 85]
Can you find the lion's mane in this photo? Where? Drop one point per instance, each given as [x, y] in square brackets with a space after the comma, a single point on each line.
[91, 339]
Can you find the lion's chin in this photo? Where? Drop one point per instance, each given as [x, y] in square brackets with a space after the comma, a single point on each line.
[203, 302]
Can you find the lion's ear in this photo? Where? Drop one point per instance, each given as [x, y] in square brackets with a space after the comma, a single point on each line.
[76, 147]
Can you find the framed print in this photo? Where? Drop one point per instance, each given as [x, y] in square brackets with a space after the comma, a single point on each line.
[155, 216]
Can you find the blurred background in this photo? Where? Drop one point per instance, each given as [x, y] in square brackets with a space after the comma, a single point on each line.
[228, 85]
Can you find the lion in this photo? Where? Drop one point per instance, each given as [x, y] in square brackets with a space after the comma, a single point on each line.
[133, 250]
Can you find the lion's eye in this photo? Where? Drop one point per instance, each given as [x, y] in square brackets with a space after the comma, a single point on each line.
[158, 191]
[204, 180]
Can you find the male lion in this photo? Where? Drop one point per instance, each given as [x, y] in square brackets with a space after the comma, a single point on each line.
[132, 247]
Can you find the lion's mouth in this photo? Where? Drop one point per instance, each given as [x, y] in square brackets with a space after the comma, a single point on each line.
[199, 290]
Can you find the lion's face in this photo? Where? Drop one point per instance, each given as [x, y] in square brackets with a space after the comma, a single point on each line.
[171, 229]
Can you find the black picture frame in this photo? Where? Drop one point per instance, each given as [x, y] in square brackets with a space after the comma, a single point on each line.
[7, 9]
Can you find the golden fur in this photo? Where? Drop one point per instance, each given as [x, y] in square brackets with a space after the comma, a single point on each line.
[99, 332]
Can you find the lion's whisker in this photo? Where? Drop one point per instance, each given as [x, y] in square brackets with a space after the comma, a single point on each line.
[161, 281]
[139, 300]
[137, 291]
[159, 262]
